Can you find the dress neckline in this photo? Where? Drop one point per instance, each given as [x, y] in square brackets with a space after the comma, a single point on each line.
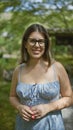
[34, 84]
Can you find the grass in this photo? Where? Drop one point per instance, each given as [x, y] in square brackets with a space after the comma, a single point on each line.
[7, 112]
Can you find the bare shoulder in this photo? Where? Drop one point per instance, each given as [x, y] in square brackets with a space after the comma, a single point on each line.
[16, 70]
[64, 80]
[61, 71]
[59, 66]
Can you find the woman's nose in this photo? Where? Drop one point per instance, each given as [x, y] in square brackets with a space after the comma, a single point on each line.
[37, 43]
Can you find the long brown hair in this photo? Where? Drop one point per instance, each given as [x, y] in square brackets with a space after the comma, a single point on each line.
[32, 28]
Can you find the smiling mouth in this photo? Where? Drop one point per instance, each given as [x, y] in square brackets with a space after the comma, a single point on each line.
[36, 51]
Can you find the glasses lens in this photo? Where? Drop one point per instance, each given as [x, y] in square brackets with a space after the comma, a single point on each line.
[33, 41]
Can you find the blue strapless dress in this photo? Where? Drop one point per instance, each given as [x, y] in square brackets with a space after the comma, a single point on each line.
[34, 94]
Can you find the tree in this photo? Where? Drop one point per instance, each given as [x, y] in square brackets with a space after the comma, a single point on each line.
[16, 15]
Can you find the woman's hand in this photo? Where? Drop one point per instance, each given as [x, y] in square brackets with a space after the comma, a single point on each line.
[25, 112]
[40, 110]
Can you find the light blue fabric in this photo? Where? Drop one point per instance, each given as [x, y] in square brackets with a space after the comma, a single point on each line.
[33, 94]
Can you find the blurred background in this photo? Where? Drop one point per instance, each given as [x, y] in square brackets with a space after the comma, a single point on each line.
[15, 16]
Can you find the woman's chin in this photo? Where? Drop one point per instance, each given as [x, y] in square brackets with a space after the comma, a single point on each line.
[36, 56]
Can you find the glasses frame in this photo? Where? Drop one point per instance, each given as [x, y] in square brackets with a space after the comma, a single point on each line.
[33, 41]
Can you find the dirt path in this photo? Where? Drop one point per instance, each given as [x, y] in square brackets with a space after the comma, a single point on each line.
[68, 118]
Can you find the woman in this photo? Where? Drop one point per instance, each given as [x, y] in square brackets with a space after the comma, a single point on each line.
[40, 86]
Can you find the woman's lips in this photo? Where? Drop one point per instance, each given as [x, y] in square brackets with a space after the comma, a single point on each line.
[36, 51]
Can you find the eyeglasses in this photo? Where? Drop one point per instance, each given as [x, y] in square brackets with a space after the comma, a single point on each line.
[33, 41]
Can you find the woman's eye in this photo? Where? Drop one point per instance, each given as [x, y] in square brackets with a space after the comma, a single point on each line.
[33, 40]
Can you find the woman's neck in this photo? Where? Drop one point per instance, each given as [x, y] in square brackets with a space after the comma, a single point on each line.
[37, 63]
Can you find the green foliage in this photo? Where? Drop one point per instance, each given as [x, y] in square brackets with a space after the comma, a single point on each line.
[17, 15]
[7, 113]
[8, 63]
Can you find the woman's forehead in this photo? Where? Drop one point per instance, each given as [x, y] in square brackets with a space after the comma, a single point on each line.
[36, 34]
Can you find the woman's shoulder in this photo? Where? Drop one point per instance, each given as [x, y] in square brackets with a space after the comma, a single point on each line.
[59, 66]
[18, 67]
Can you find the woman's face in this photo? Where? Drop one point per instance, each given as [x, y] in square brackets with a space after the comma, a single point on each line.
[35, 45]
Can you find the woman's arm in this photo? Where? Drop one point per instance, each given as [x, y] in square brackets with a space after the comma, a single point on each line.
[65, 88]
[66, 94]
[13, 96]
[24, 110]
